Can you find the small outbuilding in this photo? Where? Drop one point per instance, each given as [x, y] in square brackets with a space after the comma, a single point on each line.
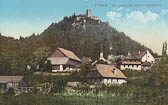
[15, 82]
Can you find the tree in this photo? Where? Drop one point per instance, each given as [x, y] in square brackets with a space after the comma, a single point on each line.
[106, 47]
[10, 91]
[160, 71]
[84, 68]
[39, 57]
[164, 51]
[47, 66]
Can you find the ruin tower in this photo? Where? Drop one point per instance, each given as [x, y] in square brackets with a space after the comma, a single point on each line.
[88, 13]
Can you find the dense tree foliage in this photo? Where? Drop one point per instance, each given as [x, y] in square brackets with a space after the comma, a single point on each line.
[159, 73]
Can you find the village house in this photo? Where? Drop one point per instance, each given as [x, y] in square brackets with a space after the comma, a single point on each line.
[15, 82]
[131, 62]
[105, 74]
[145, 56]
[138, 61]
[63, 60]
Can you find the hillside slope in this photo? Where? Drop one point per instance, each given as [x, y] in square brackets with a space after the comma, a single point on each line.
[87, 37]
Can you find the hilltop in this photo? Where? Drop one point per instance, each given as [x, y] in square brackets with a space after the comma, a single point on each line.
[86, 35]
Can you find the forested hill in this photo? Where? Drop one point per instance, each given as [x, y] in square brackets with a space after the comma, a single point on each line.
[87, 37]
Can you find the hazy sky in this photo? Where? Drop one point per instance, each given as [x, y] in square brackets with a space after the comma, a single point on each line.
[143, 20]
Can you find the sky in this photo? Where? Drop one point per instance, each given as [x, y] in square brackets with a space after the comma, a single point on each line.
[143, 20]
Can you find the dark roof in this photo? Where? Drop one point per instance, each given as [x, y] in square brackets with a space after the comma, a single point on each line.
[131, 57]
[139, 54]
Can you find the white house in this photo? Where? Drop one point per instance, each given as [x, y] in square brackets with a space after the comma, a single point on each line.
[138, 61]
[145, 56]
[105, 74]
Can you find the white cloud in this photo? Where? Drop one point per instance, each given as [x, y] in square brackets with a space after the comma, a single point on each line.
[113, 15]
[119, 9]
[142, 17]
[151, 16]
[164, 12]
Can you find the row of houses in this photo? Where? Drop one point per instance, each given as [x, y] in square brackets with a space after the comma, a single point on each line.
[65, 61]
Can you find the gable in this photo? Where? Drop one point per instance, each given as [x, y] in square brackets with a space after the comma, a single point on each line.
[148, 57]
